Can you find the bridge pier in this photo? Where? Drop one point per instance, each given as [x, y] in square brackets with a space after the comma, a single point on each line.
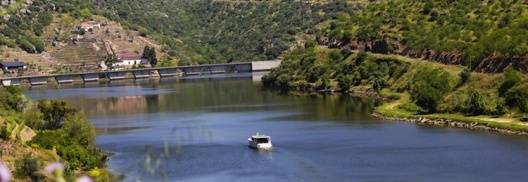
[219, 69]
[139, 74]
[193, 70]
[243, 68]
[35, 81]
[169, 72]
[90, 77]
[117, 75]
[11, 82]
[64, 79]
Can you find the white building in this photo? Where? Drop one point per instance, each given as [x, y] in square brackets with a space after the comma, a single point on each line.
[128, 60]
[89, 25]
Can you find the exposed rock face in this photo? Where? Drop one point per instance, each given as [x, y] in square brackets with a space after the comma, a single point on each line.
[18, 132]
[497, 64]
[492, 64]
[26, 134]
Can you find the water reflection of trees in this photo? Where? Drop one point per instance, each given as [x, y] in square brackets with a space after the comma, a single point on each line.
[230, 96]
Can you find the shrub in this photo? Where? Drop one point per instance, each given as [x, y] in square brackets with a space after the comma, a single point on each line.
[344, 83]
[310, 44]
[54, 113]
[501, 108]
[27, 46]
[38, 44]
[7, 41]
[518, 96]
[428, 88]
[361, 57]
[79, 157]
[85, 13]
[12, 98]
[50, 139]
[378, 83]
[475, 104]
[149, 53]
[77, 128]
[282, 81]
[28, 167]
[33, 117]
[464, 76]
[143, 31]
[524, 118]
[511, 78]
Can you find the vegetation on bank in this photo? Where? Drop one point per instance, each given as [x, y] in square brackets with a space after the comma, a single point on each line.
[470, 29]
[36, 134]
[432, 89]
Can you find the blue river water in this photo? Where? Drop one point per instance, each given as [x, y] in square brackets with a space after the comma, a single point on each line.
[197, 130]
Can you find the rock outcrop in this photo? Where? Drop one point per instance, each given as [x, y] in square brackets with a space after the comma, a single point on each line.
[491, 64]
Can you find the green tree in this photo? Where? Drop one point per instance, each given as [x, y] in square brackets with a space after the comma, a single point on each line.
[344, 83]
[85, 13]
[149, 53]
[428, 88]
[11, 98]
[518, 96]
[464, 75]
[511, 78]
[76, 127]
[54, 113]
[475, 104]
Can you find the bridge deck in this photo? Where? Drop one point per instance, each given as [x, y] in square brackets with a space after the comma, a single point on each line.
[143, 72]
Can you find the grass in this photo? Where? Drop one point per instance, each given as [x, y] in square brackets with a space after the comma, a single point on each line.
[391, 109]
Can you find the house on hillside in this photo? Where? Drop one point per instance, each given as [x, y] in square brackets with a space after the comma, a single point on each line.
[11, 66]
[88, 26]
[126, 59]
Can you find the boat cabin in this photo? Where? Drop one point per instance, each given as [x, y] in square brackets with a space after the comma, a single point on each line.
[260, 142]
[261, 139]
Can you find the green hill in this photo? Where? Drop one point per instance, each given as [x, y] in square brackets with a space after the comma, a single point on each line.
[470, 32]
[210, 31]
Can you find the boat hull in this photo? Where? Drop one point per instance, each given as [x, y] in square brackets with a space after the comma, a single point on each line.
[259, 146]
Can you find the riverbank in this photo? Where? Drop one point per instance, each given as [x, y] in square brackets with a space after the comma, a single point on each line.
[390, 110]
[412, 89]
[47, 140]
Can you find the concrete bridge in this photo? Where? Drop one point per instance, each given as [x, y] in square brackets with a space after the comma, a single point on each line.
[143, 73]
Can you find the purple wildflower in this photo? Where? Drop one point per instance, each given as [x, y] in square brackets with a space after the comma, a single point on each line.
[53, 167]
[4, 173]
[84, 179]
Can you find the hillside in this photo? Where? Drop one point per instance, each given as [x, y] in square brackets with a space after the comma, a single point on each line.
[487, 36]
[211, 31]
[58, 47]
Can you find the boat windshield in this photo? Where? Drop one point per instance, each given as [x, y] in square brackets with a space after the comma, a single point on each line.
[261, 140]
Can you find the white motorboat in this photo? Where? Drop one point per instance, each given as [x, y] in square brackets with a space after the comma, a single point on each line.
[260, 142]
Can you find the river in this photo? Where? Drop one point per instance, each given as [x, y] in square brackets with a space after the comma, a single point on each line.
[197, 130]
